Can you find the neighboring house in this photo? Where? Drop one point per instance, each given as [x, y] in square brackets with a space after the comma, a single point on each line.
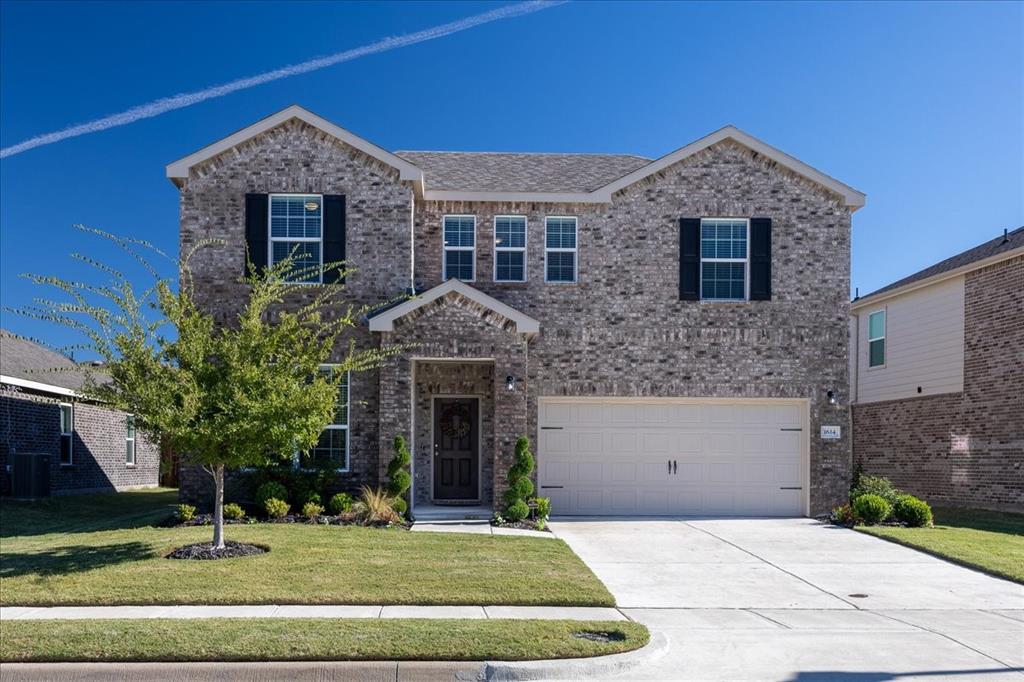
[937, 367]
[671, 334]
[86, 447]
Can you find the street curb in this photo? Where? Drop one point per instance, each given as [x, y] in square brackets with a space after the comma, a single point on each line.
[577, 668]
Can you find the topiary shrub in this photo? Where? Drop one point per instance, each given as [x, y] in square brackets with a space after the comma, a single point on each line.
[871, 509]
[399, 479]
[185, 512]
[520, 487]
[270, 490]
[875, 485]
[340, 503]
[312, 510]
[912, 511]
[276, 509]
[233, 512]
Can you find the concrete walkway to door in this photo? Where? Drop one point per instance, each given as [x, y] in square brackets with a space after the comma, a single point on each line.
[795, 599]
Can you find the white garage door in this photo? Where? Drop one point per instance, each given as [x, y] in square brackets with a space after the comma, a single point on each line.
[650, 457]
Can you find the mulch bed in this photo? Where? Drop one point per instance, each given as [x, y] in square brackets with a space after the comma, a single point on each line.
[525, 524]
[325, 520]
[206, 551]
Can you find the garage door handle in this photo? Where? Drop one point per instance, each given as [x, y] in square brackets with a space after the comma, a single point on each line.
[791, 487]
[669, 467]
[675, 467]
[545, 487]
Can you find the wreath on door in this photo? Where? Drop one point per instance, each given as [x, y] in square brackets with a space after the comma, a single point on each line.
[455, 422]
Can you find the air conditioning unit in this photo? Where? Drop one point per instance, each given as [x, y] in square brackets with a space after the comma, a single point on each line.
[31, 476]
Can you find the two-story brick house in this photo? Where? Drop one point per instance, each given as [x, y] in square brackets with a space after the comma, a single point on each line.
[670, 334]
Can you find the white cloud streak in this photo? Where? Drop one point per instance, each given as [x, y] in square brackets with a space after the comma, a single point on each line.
[187, 99]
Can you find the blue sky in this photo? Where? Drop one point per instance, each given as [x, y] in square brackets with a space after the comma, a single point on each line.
[919, 105]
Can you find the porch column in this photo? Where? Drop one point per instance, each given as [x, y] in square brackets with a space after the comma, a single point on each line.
[396, 416]
[510, 416]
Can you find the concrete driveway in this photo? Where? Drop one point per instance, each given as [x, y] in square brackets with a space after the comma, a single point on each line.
[794, 599]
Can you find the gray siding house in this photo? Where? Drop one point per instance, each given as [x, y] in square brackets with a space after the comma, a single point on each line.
[671, 334]
[86, 447]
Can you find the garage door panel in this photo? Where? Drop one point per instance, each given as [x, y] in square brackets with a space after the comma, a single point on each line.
[728, 458]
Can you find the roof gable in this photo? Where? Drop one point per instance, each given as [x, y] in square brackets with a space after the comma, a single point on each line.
[385, 321]
[178, 170]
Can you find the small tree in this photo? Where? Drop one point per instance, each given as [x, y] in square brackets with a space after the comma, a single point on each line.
[245, 393]
[520, 486]
[399, 479]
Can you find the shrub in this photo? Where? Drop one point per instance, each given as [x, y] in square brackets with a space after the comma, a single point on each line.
[375, 506]
[311, 496]
[312, 510]
[871, 509]
[520, 486]
[234, 512]
[340, 503]
[875, 485]
[543, 507]
[843, 516]
[270, 490]
[912, 511]
[276, 508]
[185, 512]
[399, 479]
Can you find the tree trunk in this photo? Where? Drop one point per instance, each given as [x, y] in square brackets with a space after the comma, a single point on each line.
[218, 507]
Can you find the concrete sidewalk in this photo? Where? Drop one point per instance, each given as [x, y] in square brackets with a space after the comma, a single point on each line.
[310, 611]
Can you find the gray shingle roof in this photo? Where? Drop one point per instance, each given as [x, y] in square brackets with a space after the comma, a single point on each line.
[516, 172]
[1013, 240]
[24, 359]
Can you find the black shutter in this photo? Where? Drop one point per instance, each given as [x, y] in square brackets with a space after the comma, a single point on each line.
[760, 259]
[256, 216]
[334, 235]
[689, 259]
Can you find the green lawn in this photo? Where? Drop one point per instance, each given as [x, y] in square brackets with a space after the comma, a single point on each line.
[102, 549]
[269, 639]
[992, 542]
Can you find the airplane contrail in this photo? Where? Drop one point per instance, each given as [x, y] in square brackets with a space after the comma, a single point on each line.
[187, 99]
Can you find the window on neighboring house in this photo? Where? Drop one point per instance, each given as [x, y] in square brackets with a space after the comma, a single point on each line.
[509, 248]
[331, 451]
[460, 247]
[129, 440]
[296, 228]
[560, 249]
[876, 339]
[67, 431]
[723, 259]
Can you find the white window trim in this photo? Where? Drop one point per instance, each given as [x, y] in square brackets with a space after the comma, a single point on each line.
[296, 457]
[445, 248]
[511, 249]
[885, 332]
[271, 238]
[71, 433]
[745, 261]
[575, 250]
[133, 440]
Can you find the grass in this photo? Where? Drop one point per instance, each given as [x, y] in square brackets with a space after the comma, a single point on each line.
[104, 550]
[269, 639]
[992, 542]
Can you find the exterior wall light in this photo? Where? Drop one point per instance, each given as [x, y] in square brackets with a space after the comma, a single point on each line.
[510, 382]
[832, 399]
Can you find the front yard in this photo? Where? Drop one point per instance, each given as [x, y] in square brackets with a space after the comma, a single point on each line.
[104, 550]
[989, 541]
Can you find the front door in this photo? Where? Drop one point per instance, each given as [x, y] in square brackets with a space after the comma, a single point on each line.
[456, 450]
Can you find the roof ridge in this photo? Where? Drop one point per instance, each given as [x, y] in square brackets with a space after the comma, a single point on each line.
[451, 151]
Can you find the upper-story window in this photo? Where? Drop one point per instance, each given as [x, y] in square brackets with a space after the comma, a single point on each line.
[560, 249]
[460, 247]
[296, 228]
[509, 248]
[876, 339]
[331, 450]
[67, 432]
[723, 259]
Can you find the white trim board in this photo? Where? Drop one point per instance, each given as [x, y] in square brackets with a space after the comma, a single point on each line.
[37, 386]
[385, 322]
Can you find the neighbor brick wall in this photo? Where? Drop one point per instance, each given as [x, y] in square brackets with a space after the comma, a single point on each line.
[962, 449]
[30, 422]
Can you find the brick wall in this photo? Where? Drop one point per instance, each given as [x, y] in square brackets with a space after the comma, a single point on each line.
[962, 449]
[30, 422]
